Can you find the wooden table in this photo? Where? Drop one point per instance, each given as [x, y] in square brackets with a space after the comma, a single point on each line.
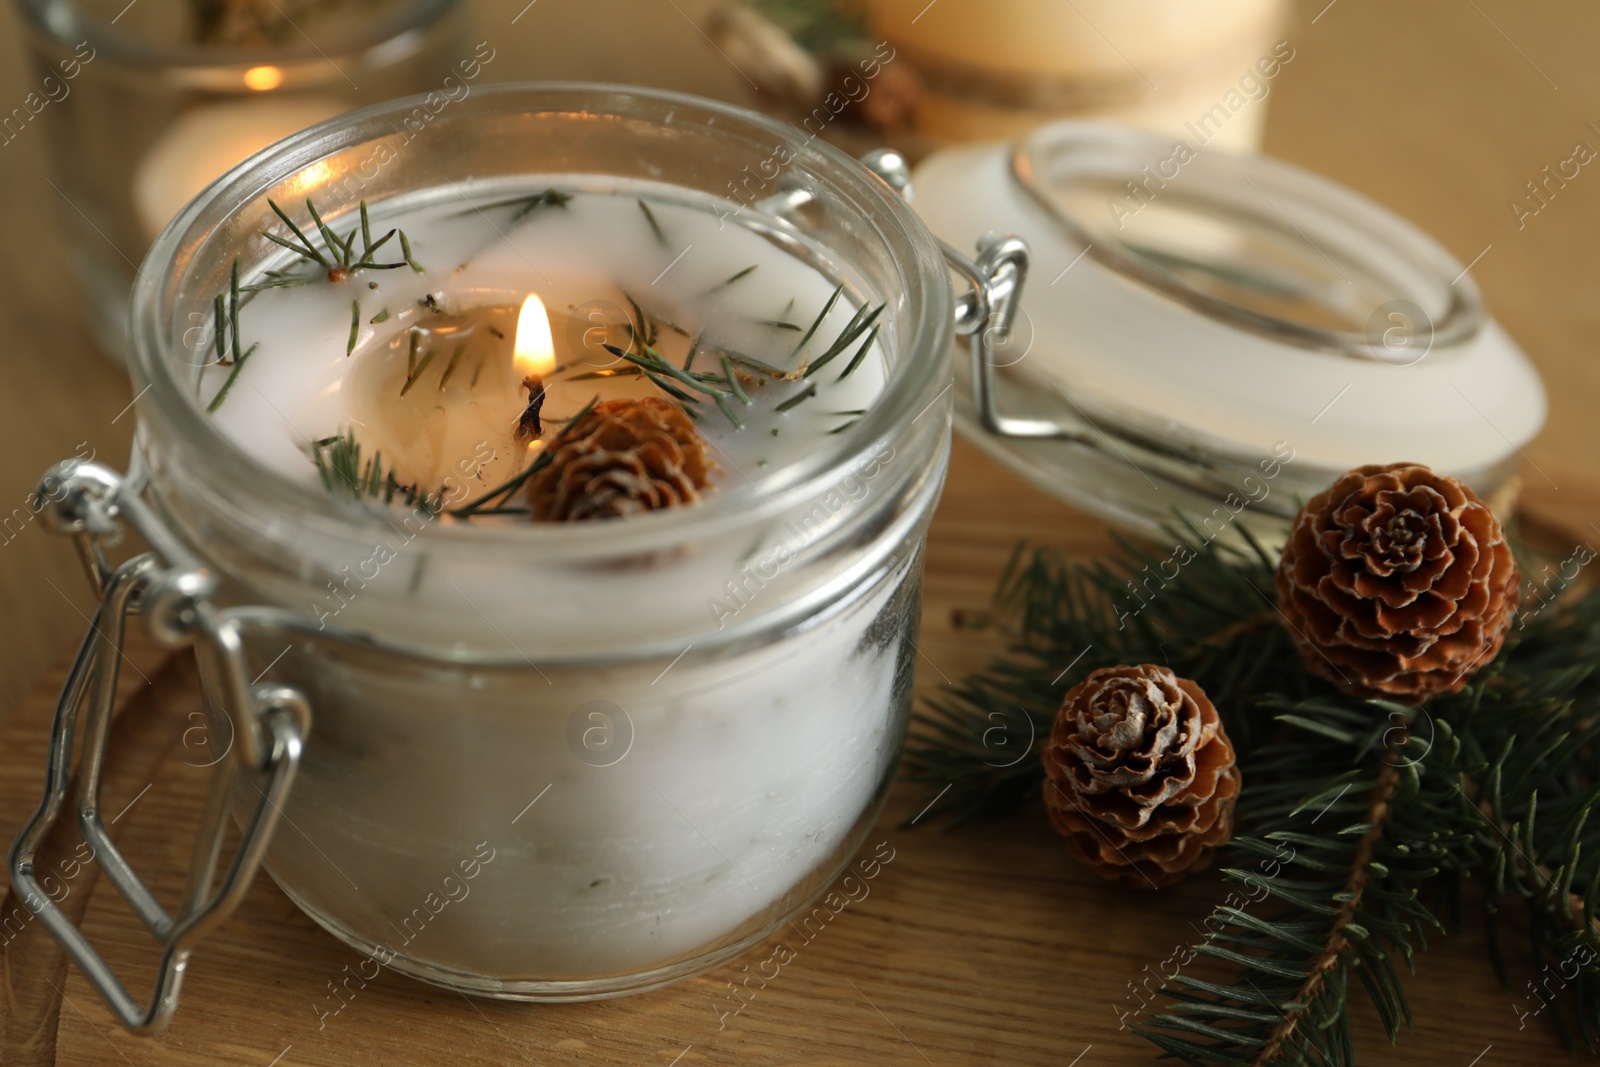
[984, 946]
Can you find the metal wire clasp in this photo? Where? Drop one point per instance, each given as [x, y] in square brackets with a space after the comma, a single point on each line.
[985, 312]
[90, 503]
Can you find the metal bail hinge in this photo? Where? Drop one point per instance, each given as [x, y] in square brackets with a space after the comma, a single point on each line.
[986, 311]
[89, 502]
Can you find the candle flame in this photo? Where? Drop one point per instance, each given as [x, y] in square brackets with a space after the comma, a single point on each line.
[534, 354]
[261, 79]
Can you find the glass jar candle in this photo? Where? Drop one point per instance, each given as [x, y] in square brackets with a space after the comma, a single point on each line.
[541, 761]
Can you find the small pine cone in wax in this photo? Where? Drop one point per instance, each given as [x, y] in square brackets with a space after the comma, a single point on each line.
[1140, 777]
[623, 458]
[1397, 582]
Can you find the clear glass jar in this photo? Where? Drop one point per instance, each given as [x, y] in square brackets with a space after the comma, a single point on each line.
[139, 114]
[599, 784]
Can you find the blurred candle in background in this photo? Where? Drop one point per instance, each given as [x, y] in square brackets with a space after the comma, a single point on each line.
[169, 96]
[206, 141]
[1196, 69]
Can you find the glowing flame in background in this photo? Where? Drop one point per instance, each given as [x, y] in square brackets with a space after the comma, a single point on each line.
[263, 79]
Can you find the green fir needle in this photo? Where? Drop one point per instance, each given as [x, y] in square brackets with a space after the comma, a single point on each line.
[799, 398]
[655, 227]
[450, 368]
[405, 250]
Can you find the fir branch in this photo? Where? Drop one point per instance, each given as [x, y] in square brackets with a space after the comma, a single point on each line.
[1380, 807]
[1337, 942]
[1067, 618]
[345, 470]
[858, 324]
[338, 256]
[305, 248]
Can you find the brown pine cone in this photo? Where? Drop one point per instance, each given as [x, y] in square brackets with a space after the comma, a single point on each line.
[1139, 776]
[1397, 582]
[625, 457]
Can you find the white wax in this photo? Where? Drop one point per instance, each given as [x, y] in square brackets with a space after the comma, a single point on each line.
[744, 775]
[584, 258]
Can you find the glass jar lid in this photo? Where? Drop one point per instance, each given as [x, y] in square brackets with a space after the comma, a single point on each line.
[1195, 311]
[1250, 242]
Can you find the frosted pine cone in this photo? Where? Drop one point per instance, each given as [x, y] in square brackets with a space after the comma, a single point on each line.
[1140, 777]
[1397, 582]
[625, 457]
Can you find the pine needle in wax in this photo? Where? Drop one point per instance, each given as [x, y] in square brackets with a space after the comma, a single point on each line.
[480, 504]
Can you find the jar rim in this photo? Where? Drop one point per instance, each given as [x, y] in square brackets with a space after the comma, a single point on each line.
[915, 382]
[66, 19]
[1064, 153]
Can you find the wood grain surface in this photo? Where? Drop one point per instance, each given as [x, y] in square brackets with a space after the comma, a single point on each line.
[982, 946]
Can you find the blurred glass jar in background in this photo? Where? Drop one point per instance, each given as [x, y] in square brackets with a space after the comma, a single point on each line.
[1196, 69]
[141, 105]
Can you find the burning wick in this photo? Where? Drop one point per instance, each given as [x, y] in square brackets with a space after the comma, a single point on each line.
[534, 354]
